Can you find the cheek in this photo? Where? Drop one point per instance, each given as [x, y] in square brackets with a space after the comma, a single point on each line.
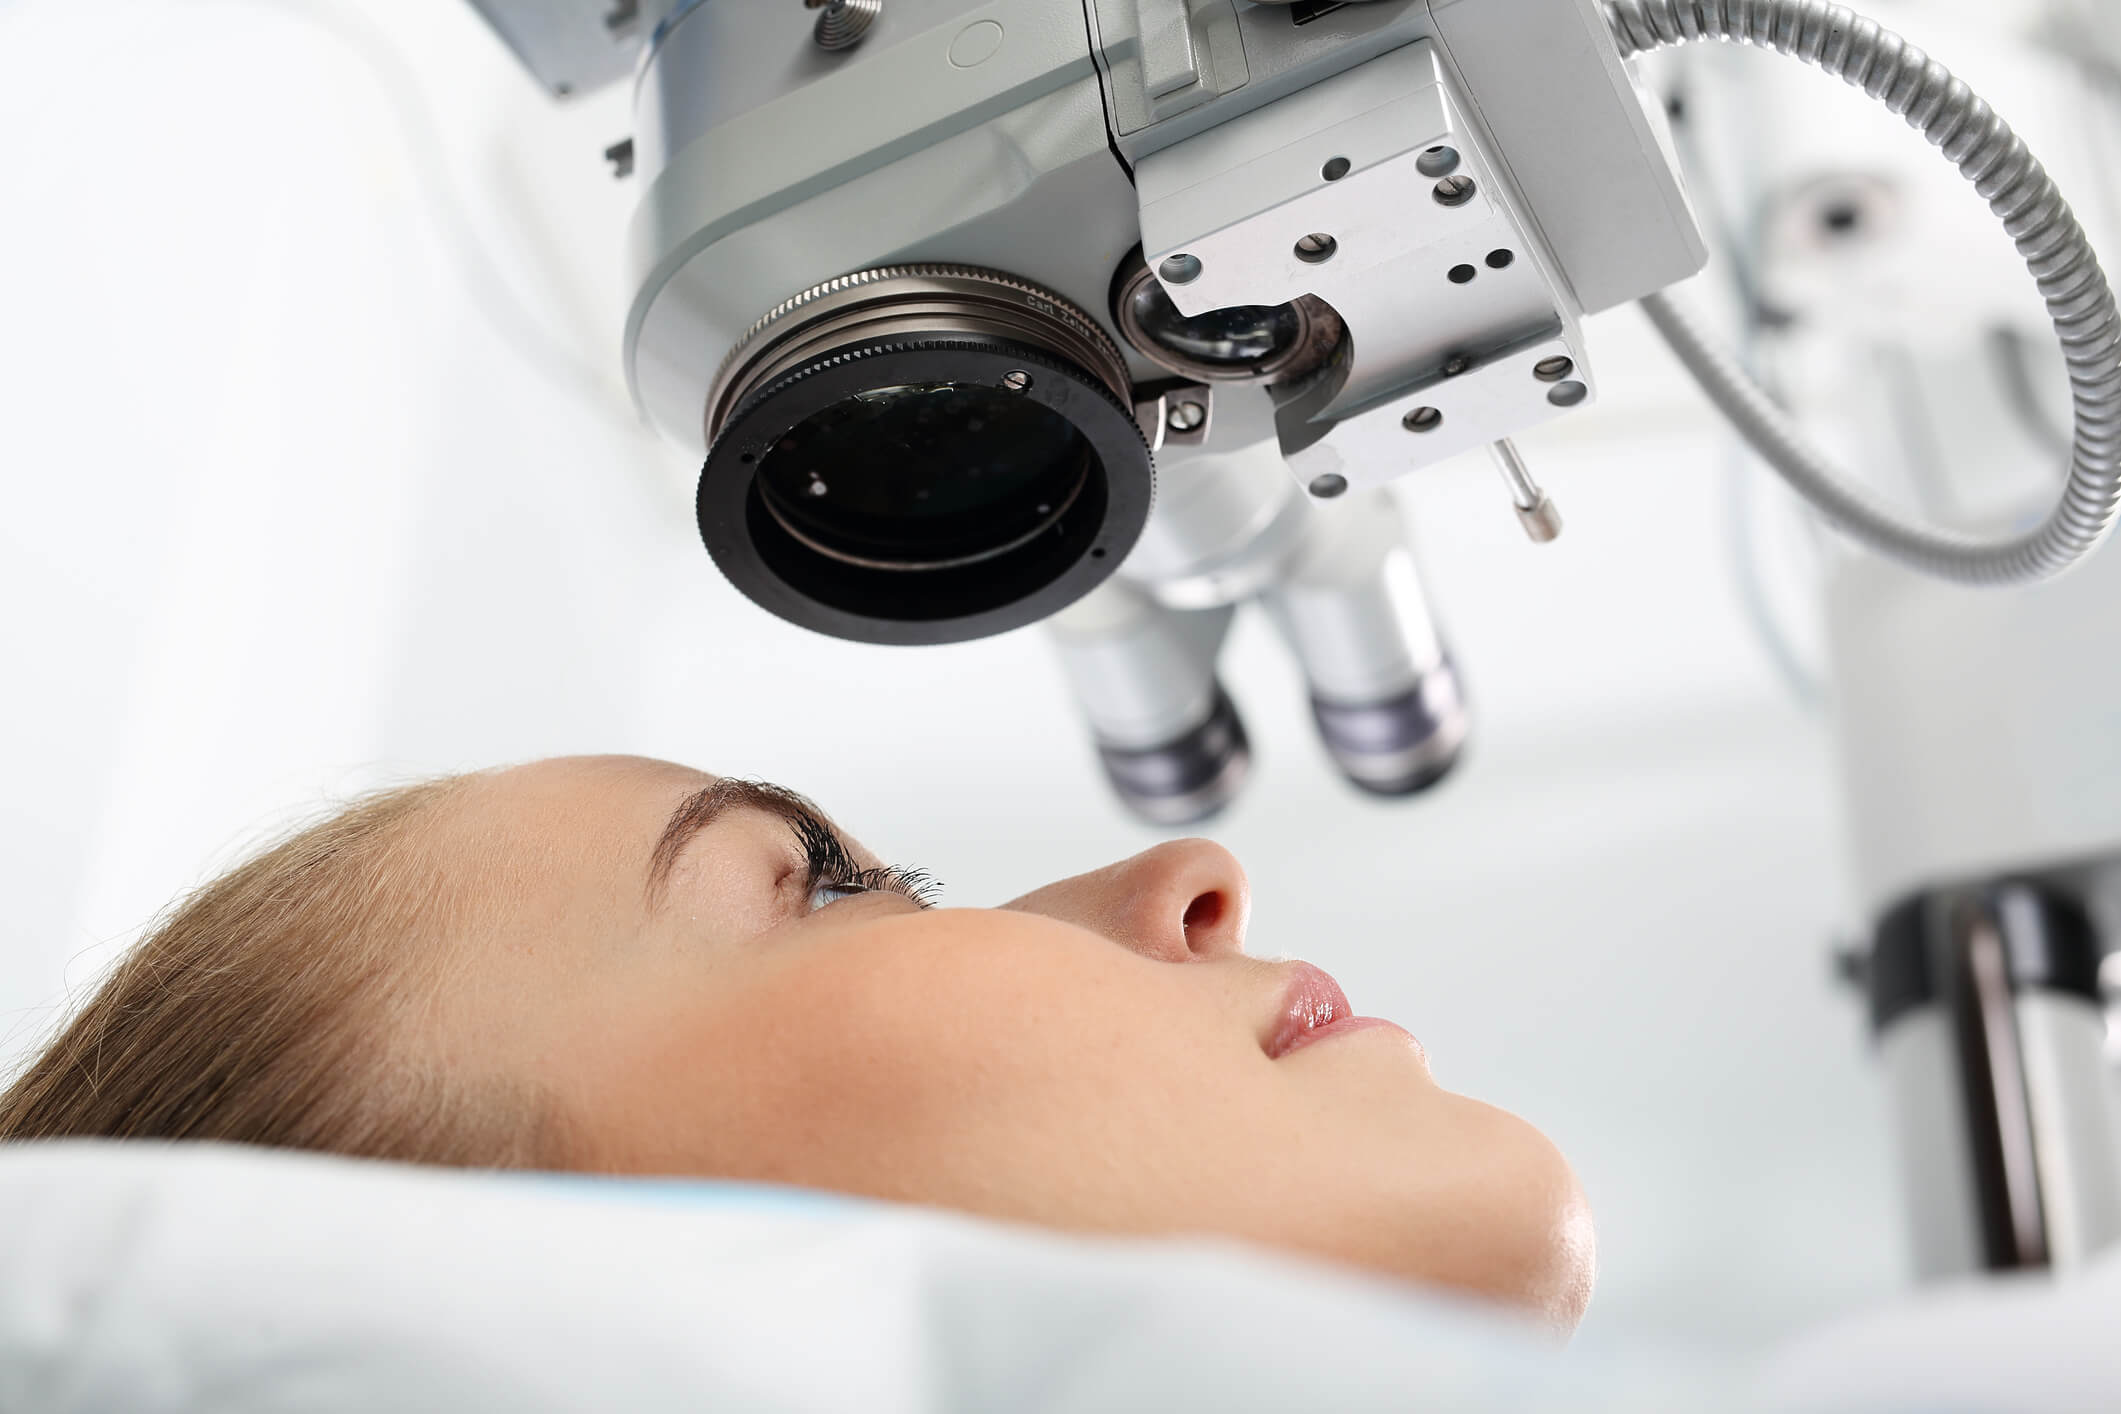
[963, 1058]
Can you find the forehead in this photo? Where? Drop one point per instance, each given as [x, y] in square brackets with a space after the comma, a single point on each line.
[587, 786]
[600, 773]
[599, 813]
[550, 858]
[570, 809]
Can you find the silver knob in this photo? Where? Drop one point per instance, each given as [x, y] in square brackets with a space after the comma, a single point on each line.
[1536, 510]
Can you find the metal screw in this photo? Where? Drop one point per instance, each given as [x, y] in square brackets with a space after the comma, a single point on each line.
[1437, 162]
[1316, 248]
[1328, 486]
[1016, 380]
[844, 22]
[1423, 420]
[1456, 364]
[1186, 417]
[1455, 191]
[1568, 395]
[1179, 269]
[1553, 370]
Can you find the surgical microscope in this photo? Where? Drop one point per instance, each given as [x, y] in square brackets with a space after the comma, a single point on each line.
[1117, 315]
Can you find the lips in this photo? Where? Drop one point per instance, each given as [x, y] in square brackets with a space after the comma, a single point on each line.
[1313, 1007]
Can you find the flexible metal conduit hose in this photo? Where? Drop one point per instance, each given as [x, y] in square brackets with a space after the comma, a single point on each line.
[2016, 187]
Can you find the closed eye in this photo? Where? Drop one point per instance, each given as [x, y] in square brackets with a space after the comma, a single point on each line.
[834, 876]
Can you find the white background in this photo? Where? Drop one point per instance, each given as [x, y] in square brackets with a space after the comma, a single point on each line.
[318, 476]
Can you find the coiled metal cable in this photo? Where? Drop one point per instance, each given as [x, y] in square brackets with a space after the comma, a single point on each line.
[2016, 187]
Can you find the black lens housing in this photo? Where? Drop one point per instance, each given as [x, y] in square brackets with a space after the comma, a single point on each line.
[916, 592]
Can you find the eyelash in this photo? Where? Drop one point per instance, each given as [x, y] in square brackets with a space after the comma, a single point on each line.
[829, 864]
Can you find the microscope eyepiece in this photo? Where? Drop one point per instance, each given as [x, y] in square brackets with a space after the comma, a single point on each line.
[1186, 780]
[922, 454]
[1402, 745]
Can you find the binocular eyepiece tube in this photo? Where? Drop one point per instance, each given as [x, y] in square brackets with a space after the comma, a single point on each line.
[1170, 740]
[1384, 695]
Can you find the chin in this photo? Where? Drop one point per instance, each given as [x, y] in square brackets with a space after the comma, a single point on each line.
[1492, 1210]
[1546, 1250]
[1571, 1266]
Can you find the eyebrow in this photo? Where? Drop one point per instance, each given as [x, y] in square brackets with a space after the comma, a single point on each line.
[703, 807]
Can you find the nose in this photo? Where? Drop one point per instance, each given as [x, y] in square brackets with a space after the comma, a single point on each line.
[1178, 902]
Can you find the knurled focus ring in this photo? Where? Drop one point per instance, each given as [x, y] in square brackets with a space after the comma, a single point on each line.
[1038, 359]
[910, 304]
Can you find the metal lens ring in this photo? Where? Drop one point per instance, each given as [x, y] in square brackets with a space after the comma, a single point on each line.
[956, 473]
[909, 302]
[1253, 343]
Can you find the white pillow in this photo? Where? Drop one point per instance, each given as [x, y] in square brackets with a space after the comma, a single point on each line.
[203, 1277]
[150, 1277]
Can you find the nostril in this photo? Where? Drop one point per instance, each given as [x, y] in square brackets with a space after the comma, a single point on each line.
[1204, 912]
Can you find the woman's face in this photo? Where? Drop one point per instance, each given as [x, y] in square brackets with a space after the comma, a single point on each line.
[706, 990]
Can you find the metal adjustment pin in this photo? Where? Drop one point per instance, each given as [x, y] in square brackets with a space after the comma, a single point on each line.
[1535, 509]
[1152, 418]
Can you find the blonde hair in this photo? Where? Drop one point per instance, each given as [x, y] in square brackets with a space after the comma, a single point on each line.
[279, 1005]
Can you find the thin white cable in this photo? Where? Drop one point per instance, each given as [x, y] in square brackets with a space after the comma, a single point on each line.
[2017, 188]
